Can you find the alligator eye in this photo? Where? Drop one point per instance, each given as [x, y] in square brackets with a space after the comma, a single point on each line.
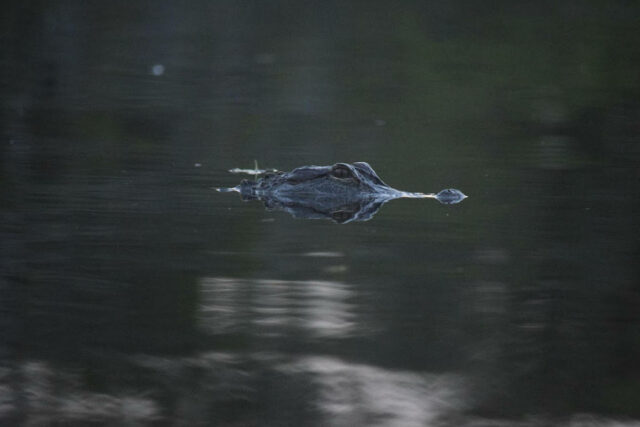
[341, 171]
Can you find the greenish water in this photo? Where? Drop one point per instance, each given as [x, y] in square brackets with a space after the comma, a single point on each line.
[132, 293]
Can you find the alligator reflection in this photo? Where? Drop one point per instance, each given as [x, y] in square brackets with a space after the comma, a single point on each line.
[342, 192]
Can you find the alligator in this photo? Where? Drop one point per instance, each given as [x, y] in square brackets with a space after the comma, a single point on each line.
[343, 192]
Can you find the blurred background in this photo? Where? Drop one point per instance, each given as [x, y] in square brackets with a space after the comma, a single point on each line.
[131, 293]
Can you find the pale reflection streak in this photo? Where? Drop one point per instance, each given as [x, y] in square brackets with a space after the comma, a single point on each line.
[341, 393]
[322, 309]
[356, 394]
[38, 394]
[353, 394]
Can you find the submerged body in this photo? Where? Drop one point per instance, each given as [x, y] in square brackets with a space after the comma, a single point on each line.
[342, 192]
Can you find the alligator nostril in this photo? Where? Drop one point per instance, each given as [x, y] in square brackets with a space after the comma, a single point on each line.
[450, 196]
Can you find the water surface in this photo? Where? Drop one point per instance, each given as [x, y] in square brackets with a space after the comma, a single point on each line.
[132, 292]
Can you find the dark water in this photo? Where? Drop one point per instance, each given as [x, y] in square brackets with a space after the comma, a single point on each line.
[131, 293]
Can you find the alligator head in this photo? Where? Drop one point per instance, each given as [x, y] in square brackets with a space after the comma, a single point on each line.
[342, 192]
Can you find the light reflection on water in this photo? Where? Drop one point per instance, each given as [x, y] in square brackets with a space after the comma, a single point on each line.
[45, 395]
[336, 392]
[277, 307]
[356, 394]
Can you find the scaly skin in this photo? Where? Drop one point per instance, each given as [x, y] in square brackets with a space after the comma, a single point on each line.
[343, 192]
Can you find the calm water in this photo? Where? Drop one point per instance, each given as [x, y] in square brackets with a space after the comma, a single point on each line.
[131, 293]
